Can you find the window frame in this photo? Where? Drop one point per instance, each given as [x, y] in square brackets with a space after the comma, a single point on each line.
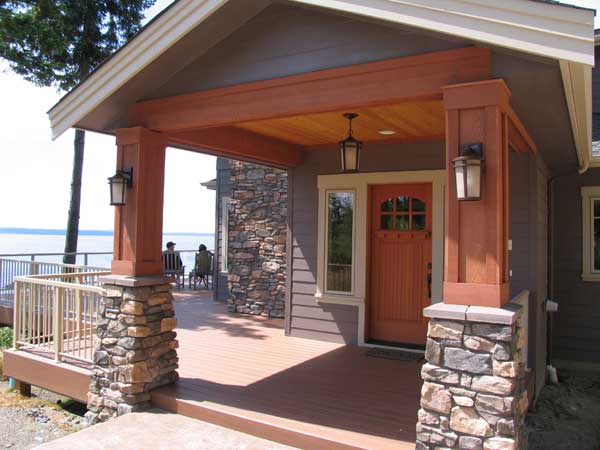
[589, 194]
[225, 201]
[325, 290]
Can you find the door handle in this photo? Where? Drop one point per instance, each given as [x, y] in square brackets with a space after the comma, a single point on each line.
[429, 277]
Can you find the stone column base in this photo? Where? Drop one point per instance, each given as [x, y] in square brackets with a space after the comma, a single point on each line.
[473, 395]
[135, 345]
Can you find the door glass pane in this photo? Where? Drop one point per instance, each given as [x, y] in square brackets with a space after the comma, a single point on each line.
[597, 244]
[339, 241]
[387, 222]
[402, 204]
[418, 205]
[387, 205]
[419, 222]
[403, 222]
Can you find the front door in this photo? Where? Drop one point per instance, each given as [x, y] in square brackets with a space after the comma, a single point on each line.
[400, 269]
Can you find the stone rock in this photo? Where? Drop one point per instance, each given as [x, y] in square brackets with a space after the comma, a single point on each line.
[255, 174]
[498, 443]
[428, 418]
[494, 405]
[270, 267]
[436, 398]
[168, 324]
[466, 420]
[502, 352]
[493, 385]
[509, 369]
[463, 401]
[469, 443]
[460, 359]
[137, 373]
[491, 331]
[478, 344]
[430, 372]
[506, 427]
[445, 329]
[433, 352]
[132, 307]
[138, 331]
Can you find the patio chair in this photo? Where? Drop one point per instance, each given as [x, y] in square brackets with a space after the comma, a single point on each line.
[172, 265]
[202, 269]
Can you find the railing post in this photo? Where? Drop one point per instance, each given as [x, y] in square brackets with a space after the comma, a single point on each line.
[85, 259]
[17, 316]
[78, 299]
[58, 322]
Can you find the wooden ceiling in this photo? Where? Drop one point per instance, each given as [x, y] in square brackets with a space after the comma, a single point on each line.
[411, 121]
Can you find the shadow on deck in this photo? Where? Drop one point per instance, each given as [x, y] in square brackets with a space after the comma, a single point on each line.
[242, 372]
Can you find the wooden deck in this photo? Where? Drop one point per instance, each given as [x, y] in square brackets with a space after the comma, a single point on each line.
[243, 373]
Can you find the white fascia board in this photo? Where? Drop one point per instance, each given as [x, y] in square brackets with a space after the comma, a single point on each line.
[549, 30]
[577, 81]
[543, 29]
[175, 23]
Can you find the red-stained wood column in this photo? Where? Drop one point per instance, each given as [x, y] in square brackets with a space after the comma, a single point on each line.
[476, 241]
[138, 224]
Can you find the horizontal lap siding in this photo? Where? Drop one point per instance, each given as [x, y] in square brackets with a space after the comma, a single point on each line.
[575, 334]
[333, 322]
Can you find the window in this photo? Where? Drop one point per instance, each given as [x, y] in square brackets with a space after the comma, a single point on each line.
[340, 242]
[590, 205]
[403, 214]
[224, 232]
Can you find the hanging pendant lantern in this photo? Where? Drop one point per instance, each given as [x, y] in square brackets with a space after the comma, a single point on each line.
[350, 148]
[468, 171]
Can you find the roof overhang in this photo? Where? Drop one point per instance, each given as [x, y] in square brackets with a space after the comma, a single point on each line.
[550, 30]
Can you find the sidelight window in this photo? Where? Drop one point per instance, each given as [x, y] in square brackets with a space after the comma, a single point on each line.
[340, 242]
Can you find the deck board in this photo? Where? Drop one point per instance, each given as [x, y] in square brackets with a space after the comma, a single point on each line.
[243, 372]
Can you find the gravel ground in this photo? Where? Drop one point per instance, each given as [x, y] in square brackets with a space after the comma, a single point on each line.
[567, 416]
[26, 423]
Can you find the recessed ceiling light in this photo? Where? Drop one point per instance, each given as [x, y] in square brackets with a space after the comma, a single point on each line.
[387, 132]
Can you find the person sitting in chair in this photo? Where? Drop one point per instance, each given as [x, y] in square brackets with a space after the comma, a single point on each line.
[171, 259]
[203, 266]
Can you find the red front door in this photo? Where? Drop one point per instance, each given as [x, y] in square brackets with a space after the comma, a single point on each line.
[400, 269]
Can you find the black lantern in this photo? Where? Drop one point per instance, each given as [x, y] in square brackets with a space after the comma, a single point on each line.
[350, 148]
[468, 169]
[119, 183]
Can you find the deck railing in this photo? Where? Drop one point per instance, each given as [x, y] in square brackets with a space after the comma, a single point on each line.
[56, 314]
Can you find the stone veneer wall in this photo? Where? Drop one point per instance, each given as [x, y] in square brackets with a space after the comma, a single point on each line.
[257, 240]
[473, 395]
[135, 347]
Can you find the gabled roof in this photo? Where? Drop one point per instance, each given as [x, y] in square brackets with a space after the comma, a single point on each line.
[543, 28]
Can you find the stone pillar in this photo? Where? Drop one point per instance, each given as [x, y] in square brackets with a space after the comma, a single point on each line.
[474, 395]
[135, 345]
[257, 240]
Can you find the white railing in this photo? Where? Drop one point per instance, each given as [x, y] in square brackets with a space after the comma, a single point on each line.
[56, 314]
[12, 268]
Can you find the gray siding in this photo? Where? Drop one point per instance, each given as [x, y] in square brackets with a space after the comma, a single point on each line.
[223, 190]
[337, 323]
[576, 332]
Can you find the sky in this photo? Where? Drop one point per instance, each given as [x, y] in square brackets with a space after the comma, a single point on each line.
[35, 172]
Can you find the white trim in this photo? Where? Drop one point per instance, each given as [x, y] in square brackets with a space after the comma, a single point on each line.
[588, 195]
[548, 30]
[577, 83]
[359, 183]
[224, 234]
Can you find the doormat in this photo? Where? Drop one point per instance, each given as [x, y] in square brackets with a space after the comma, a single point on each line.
[399, 355]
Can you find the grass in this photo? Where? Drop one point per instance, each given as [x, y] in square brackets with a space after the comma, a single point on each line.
[5, 342]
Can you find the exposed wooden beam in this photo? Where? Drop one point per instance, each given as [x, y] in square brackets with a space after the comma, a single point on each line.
[518, 137]
[236, 143]
[383, 82]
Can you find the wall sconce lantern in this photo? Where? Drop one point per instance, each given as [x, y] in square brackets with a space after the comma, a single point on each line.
[119, 183]
[350, 148]
[468, 169]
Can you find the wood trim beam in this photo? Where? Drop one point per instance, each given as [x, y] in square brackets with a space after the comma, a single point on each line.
[237, 143]
[383, 82]
[520, 140]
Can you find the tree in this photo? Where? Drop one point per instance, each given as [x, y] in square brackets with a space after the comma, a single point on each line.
[59, 43]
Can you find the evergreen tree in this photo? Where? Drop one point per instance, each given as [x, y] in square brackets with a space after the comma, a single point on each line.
[59, 43]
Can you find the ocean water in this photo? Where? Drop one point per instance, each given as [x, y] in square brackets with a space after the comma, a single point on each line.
[38, 242]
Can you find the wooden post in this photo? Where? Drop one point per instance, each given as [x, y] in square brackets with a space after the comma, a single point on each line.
[476, 241]
[58, 322]
[138, 224]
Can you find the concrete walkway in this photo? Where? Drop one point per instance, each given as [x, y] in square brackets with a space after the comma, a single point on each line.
[159, 430]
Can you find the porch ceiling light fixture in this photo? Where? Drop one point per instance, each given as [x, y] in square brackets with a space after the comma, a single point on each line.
[468, 170]
[119, 183]
[350, 148]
